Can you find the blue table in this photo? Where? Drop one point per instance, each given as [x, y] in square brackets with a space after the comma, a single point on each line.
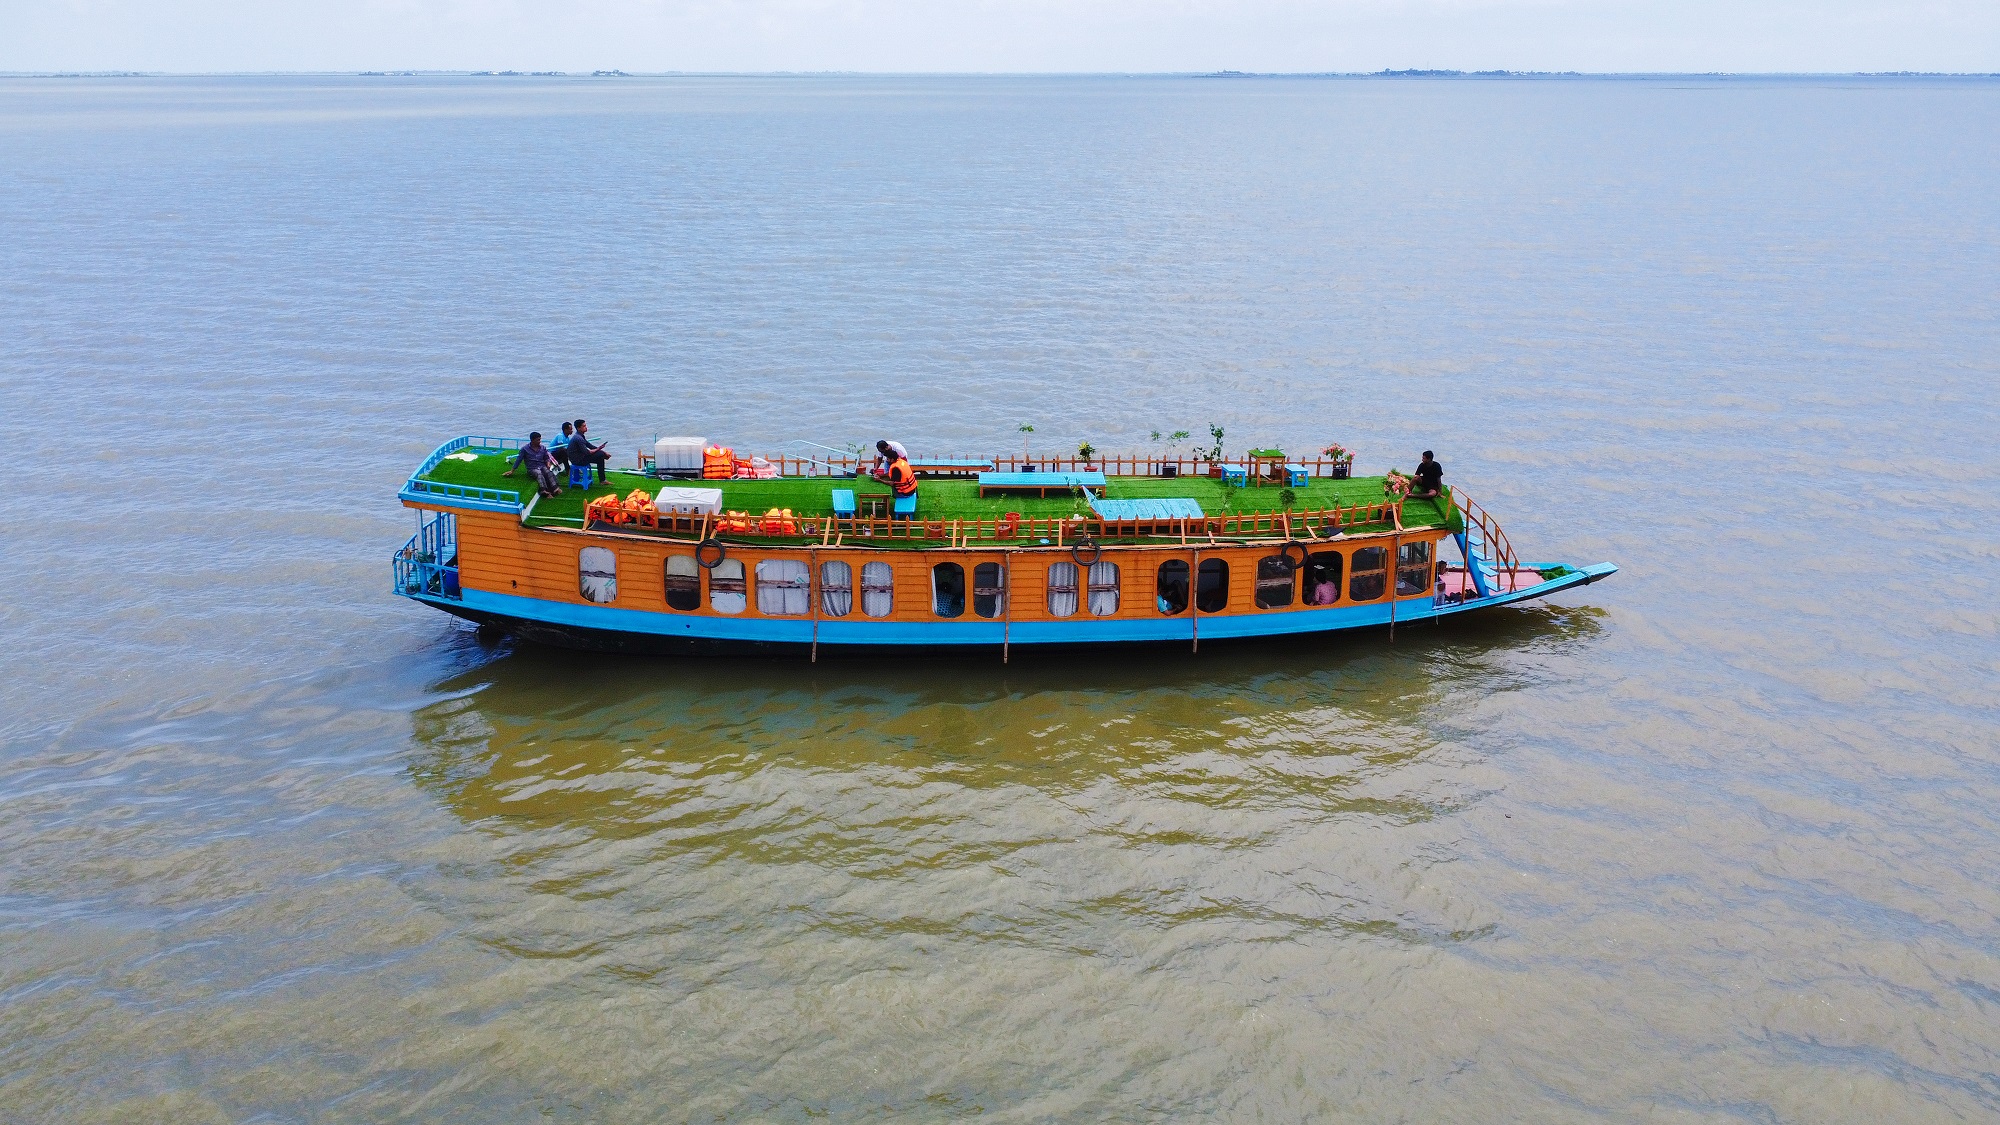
[1038, 483]
[1166, 508]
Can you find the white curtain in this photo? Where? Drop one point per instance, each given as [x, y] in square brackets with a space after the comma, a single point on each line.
[1104, 589]
[597, 575]
[784, 588]
[1062, 589]
[836, 589]
[725, 587]
[878, 589]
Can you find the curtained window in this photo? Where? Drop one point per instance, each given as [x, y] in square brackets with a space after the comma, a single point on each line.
[836, 589]
[878, 589]
[784, 588]
[597, 575]
[1062, 589]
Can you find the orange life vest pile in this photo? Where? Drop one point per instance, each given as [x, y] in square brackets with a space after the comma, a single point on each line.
[777, 521]
[635, 508]
[718, 462]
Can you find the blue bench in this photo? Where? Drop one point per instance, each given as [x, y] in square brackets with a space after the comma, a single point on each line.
[1236, 475]
[1295, 475]
[905, 508]
[843, 504]
[1038, 483]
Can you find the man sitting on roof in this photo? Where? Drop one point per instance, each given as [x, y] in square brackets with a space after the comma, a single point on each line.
[903, 482]
[581, 452]
[1430, 479]
[541, 465]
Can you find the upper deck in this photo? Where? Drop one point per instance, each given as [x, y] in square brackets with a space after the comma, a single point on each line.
[468, 472]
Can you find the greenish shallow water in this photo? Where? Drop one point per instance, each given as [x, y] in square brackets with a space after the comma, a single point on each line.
[1711, 841]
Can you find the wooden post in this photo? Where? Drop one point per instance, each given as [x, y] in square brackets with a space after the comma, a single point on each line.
[812, 599]
[1006, 603]
[1194, 609]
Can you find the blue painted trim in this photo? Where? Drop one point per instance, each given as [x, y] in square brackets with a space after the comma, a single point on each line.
[1083, 629]
[419, 491]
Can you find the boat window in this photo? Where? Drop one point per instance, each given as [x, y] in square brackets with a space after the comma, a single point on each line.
[1211, 588]
[1171, 592]
[683, 583]
[1274, 581]
[1370, 578]
[1323, 578]
[597, 575]
[725, 587]
[1062, 589]
[948, 590]
[1103, 588]
[784, 588]
[836, 589]
[878, 589]
[1413, 569]
[989, 590]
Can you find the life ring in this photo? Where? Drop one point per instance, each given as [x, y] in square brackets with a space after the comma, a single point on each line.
[1285, 553]
[1077, 550]
[720, 553]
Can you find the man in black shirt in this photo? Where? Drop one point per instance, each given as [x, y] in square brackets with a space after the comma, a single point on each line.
[1430, 479]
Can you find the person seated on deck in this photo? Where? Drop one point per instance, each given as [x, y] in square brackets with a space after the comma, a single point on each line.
[581, 452]
[903, 483]
[886, 452]
[1430, 479]
[560, 450]
[541, 465]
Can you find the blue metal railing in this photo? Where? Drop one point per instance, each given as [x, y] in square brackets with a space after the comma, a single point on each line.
[427, 564]
[491, 499]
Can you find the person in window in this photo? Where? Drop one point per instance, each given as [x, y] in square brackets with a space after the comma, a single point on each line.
[581, 452]
[540, 463]
[1430, 479]
[902, 481]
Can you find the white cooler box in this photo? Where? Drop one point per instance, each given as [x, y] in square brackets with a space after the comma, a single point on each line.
[689, 501]
[678, 455]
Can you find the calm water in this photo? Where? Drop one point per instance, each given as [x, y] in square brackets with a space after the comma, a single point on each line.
[1713, 841]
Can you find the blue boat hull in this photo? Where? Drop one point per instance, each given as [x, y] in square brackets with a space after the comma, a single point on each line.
[607, 629]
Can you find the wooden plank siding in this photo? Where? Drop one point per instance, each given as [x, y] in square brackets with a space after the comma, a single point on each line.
[498, 555]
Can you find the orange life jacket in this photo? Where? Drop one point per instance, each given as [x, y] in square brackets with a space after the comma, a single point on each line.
[902, 478]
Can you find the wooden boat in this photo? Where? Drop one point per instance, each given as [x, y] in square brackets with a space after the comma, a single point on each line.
[998, 552]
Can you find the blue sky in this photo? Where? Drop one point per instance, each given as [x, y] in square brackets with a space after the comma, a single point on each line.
[1000, 35]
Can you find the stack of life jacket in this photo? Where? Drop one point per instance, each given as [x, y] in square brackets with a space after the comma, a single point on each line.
[718, 462]
[635, 508]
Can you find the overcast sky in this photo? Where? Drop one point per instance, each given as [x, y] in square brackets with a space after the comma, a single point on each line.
[1001, 35]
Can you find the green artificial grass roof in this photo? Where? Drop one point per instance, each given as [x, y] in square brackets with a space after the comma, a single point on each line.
[937, 499]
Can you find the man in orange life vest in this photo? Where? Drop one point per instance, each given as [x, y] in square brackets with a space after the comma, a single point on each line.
[901, 477]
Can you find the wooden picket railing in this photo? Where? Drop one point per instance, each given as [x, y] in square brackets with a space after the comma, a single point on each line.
[1057, 531]
[1120, 465]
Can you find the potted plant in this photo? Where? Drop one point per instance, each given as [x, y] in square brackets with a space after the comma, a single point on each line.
[1171, 465]
[1026, 465]
[1213, 454]
[1342, 458]
[1395, 486]
[1086, 451]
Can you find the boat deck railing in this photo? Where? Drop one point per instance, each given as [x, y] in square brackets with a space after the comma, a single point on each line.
[1502, 555]
[840, 463]
[493, 499]
[1055, 531]
[427, 564]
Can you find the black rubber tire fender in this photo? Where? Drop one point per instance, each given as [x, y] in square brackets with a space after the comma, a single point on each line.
[700, 551]
[1078, 549]
[1285, 553]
